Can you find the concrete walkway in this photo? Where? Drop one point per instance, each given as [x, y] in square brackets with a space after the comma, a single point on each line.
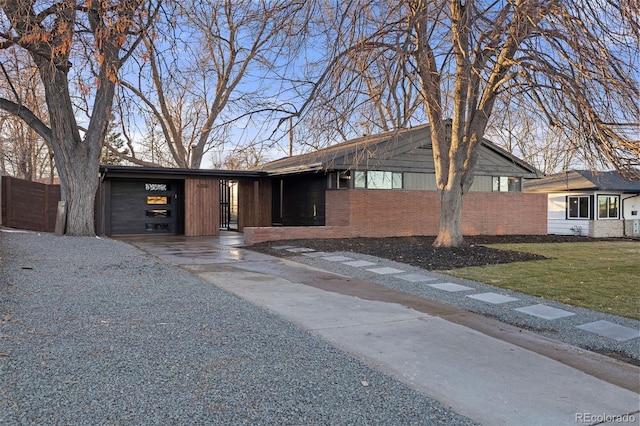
[483, 369]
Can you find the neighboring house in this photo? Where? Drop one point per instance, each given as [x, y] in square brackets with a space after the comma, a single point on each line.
[595, 204]
[384, 185]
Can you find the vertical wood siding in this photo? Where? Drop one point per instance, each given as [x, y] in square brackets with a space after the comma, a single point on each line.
[254, 203]
[201, 207]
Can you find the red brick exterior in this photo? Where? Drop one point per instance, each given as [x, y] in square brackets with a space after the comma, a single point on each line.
[511, 213]
[389, 213]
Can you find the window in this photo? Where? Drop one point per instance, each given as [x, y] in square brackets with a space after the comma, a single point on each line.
[154, 199]
[374, 179]
[608, 206]
[158, 213]
[578, 207]
[506, 184]
[156, 187]
[338, 180]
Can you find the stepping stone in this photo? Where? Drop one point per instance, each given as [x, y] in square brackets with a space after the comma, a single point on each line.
[385, 270]
[416, 278]
[545, 312]
[282, 247]
[337, 258]
[494, 298]
[300, 250]
[610, 330]
[451, 287]
[359, 263]
[316, 254]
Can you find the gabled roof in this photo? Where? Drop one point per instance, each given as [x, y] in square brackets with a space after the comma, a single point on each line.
[584, 180]
[366, 153]
[352, 153]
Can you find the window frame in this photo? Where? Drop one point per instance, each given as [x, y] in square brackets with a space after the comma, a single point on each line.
[506, 184]
[363, 179]
[589, 207]
[608, 208]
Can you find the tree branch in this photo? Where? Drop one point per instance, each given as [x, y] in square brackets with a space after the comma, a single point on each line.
[29, 117]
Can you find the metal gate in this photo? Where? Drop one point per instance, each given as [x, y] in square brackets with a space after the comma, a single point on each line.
[225, 204]
[228, 204]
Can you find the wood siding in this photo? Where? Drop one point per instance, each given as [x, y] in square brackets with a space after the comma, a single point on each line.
[408, 150]
[420, 160]
[254, 203]
[29, 205]
[202, 207]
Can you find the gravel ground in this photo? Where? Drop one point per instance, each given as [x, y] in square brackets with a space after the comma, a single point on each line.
[415, 255]
[94, 331]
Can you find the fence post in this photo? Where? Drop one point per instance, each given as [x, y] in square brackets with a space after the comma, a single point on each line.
[61, 218]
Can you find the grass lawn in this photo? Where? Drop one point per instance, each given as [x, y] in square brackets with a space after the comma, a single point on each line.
[603, 276]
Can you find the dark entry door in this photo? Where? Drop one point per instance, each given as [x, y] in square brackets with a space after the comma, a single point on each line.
[144, 207]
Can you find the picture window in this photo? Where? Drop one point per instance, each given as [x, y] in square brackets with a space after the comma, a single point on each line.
[375, 179]
[608, 207]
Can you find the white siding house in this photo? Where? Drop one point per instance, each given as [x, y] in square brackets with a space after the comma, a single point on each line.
[595, 204]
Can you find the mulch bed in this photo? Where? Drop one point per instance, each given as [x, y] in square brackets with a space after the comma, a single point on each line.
[418, 251]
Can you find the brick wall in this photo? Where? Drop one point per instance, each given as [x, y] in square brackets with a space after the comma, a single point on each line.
[337, 207]
[254, 235]
[384, 213]
[510, 213]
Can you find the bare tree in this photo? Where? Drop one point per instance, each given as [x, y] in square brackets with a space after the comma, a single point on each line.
[23, 152]
[550, 149]
[100, 35]
[243, 158]
[575, 62]
[209, 67]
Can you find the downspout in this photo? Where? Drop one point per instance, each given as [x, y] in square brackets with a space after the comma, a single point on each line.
[624, 221]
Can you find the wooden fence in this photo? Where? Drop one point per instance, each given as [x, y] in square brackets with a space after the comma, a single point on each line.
[28, 205]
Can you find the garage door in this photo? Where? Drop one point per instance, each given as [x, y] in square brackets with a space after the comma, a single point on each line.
[144, 207]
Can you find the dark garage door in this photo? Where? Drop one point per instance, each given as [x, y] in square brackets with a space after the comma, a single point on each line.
[145, 207]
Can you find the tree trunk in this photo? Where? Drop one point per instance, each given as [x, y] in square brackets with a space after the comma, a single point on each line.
[80, 197]
[450, 232]
[77, 160]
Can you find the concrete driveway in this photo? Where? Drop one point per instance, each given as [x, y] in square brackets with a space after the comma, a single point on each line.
[486, 370]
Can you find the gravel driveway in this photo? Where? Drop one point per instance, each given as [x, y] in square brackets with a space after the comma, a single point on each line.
[94, 331]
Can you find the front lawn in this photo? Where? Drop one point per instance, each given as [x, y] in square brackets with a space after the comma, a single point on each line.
[603, 276]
